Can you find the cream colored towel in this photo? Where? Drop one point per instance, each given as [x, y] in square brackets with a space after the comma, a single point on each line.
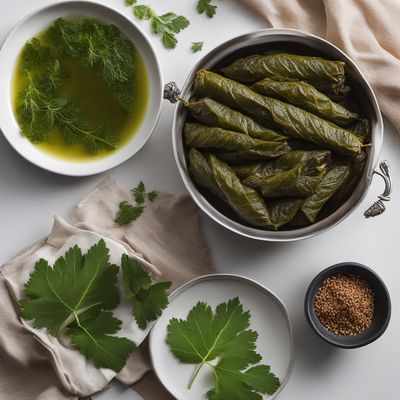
[366, 30]
[166, 240]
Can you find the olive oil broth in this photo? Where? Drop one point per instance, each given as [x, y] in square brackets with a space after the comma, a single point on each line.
[96, 102]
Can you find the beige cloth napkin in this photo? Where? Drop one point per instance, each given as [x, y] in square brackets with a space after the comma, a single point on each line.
[166, 240]
[366, 30]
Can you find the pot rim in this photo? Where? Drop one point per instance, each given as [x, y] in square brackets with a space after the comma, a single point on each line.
[250, 39]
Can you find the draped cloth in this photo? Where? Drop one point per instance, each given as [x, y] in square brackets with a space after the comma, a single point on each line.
[167, 241]
[366, 30]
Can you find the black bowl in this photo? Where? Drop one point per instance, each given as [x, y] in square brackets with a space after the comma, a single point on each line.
[382, 310]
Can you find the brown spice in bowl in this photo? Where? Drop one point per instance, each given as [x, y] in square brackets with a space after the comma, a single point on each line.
[345, 304]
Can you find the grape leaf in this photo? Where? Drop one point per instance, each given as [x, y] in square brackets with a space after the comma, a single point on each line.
[233, 384]
[71, 297]
[149, 300]
[134, 278]
[205, 336]
[205, 7]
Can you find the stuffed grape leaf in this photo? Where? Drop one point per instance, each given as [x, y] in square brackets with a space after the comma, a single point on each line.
[282, 65]
[205, 137]
[335, 177]
[305, 96]
[294, 121]
[212, 113]
[300, 181]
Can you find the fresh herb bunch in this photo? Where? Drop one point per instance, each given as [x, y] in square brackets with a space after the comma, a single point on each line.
[101, 47]
[128, 212]
[41, 106]
[166, 26]
[75, 297]
[223, 335]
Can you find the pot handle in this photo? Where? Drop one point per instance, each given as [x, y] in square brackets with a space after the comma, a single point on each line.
[172, 93]
[379, 207]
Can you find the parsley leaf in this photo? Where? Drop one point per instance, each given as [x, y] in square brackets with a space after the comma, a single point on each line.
[206, 335]
[205, 7]
[128, 213]
[139, 192]
[152, 195]
[166, 25]
[197, 46]
[72, 298]
[149, 300]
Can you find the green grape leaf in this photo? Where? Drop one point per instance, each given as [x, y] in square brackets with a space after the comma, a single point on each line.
[205, 336]
[71, 297]
[233, 384]
[134, 278]
[205, 7]
[150, 303]
[92, 337]
[149, 300]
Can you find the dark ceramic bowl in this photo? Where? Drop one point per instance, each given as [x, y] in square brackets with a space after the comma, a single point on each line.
[382, 310]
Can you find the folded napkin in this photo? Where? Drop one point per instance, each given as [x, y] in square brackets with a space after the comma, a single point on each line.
[366, 30]
[168, 243]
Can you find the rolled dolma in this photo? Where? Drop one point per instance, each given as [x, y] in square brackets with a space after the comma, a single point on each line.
[282, 66]
[361, 130]
[206, 137]
[212, 113]
[201, 173]
[357, 165]
[335, 177]
[246, 202]
[300, 181]
[292, 120]
[305, 96]
[254, 174]
[283, 210]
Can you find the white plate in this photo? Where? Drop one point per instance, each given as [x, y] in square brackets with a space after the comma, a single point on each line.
[269, 318]
[33, 24]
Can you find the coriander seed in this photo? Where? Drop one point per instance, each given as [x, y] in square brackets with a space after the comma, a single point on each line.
[345, 304]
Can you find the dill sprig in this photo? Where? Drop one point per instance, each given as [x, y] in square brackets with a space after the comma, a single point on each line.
[41, 107]
[101, 47]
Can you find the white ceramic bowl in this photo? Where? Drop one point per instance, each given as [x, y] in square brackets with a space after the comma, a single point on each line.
[36, 22]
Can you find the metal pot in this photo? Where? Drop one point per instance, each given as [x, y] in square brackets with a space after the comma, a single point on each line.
[297, 42]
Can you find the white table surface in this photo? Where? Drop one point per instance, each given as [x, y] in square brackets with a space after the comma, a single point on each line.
[30, 197]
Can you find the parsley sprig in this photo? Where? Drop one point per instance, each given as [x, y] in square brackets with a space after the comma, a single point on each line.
[128, 212]
[166, 26]
[205, 7]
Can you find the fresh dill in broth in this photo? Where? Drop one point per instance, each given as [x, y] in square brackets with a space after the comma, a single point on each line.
[80, 89]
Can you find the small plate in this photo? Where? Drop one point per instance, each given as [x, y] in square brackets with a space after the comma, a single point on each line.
[35, 23]
[269, 318]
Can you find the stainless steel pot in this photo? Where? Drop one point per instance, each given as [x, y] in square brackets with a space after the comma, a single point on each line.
[297, 42]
